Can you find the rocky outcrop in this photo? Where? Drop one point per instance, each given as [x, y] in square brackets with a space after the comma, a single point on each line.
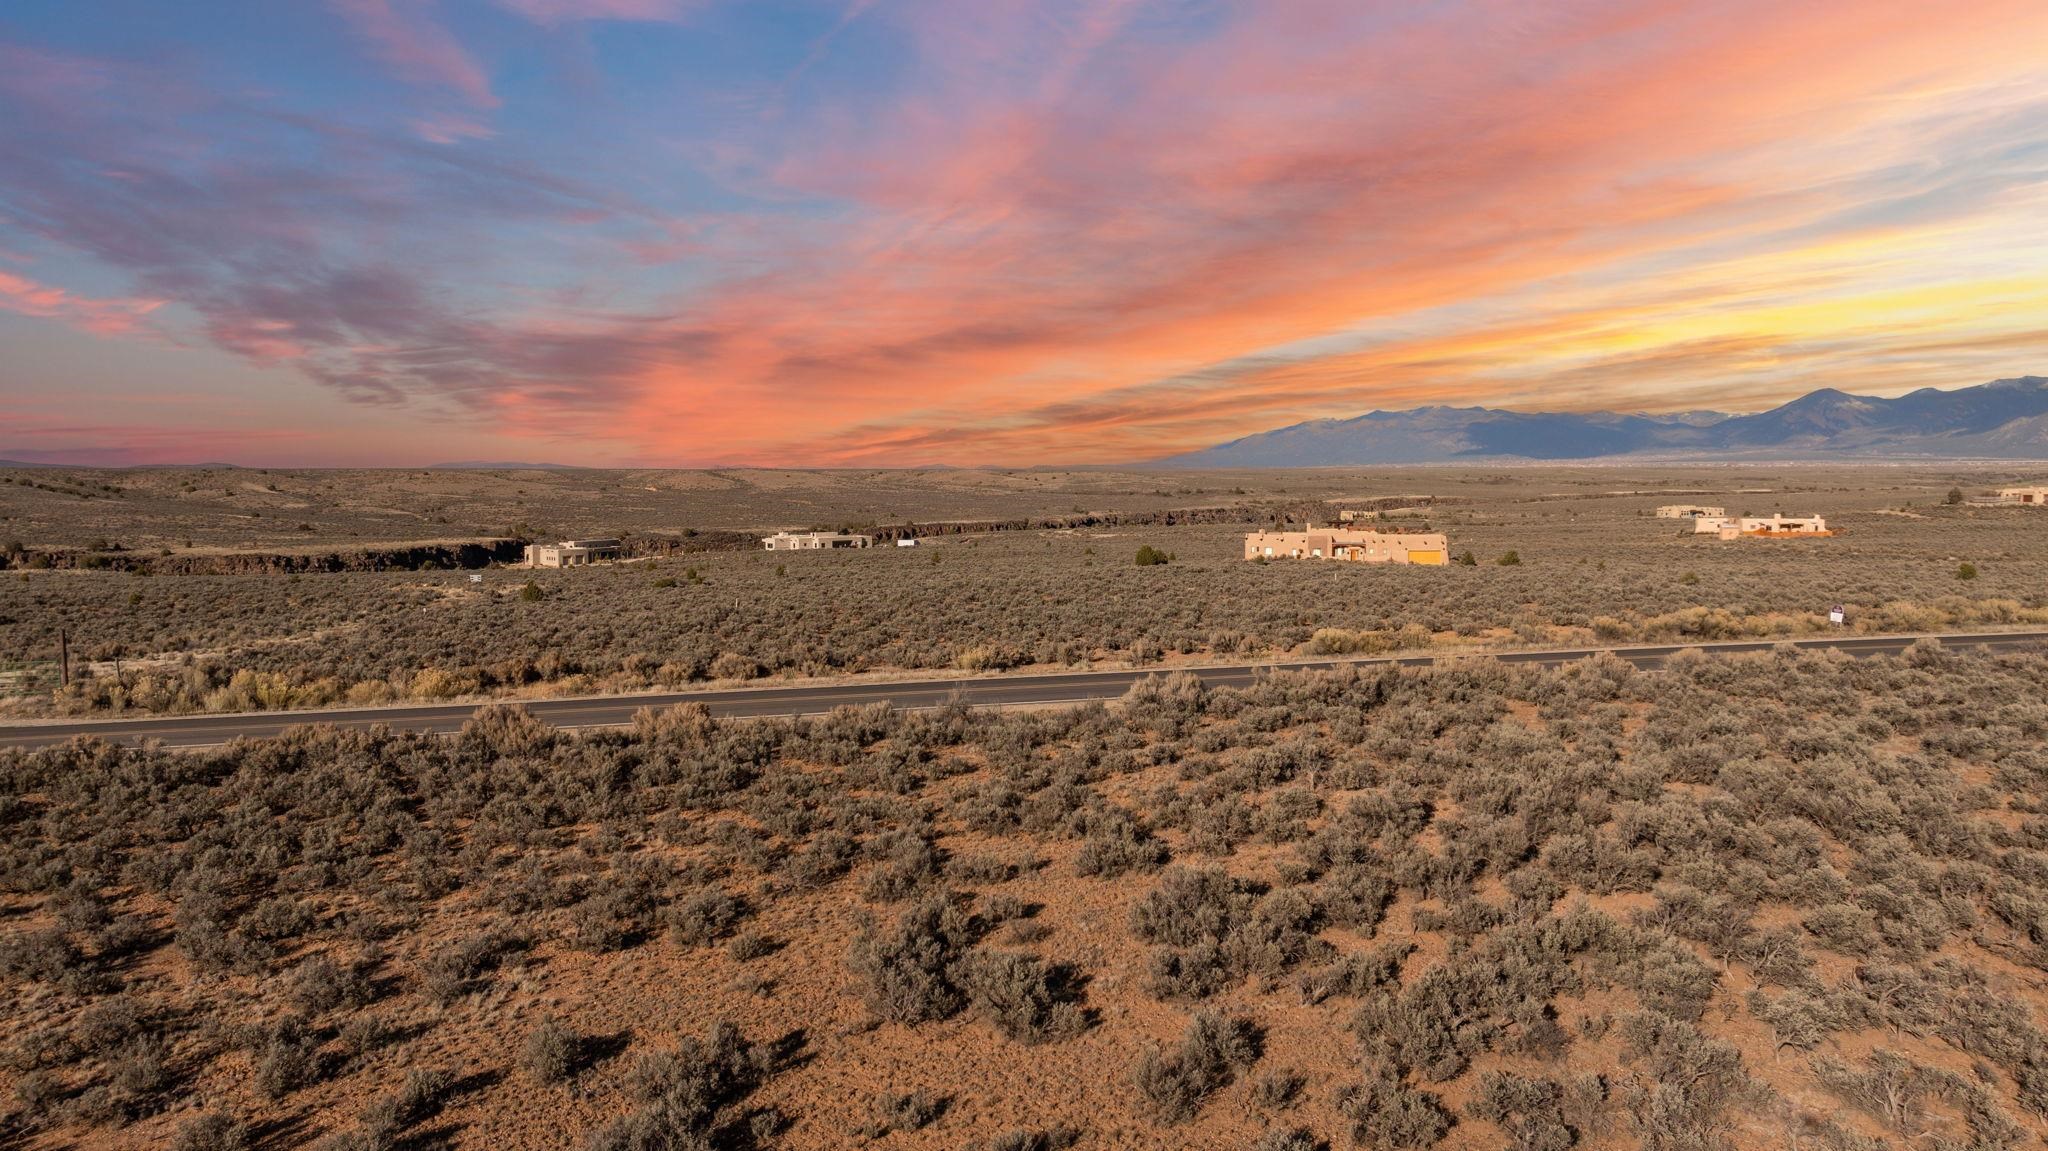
[414, 557]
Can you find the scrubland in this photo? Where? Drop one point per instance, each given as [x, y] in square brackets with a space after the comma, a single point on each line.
[1595, 568]
[1787, 900]
[209, 510]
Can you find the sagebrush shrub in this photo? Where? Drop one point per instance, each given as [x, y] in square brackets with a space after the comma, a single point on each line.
[212, 1131]
[1289, 1139]
[682, 1092]
[1386, 1112]
[910, 1111]
[1055, 1139]
[1173, 1083]
[910, 970]
[1026, 998]
[706, 917]
[552, 1053]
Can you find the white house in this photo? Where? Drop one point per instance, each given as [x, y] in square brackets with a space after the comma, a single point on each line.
[815, 541]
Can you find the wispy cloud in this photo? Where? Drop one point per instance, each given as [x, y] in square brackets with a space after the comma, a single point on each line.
[405, 35]
[104, 317]
[553, 12]
[136, 444]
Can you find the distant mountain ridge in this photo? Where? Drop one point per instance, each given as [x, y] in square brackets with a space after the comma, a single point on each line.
[2004, 419]
[501, 466]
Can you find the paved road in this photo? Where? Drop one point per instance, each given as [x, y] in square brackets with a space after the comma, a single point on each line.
[1075, 687]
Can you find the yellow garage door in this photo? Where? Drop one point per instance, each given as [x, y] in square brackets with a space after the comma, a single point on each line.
[1426, 557]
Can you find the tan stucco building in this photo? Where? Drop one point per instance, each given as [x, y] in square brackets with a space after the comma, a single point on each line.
[1736, 527]
[2035, 497]
[1688, 511]
[814, 541]
[571, 553]
[1349, 544]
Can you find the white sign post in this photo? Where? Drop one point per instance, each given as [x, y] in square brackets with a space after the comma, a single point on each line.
[476, 577]
[1837, 614]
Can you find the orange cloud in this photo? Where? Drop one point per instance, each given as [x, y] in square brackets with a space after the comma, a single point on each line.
[1046, 231]
[104, 317]
[1285, 183]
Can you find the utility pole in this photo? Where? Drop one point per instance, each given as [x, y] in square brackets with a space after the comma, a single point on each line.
[63, 658]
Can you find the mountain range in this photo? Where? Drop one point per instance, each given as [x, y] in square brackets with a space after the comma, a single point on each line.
[2004, 419]
[500, 466]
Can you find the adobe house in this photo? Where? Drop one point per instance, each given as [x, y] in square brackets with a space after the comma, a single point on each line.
[1780, 525]
[2036, 497]
[571, 553]
[1765, 527]
[1688, 511]
[815, 541]
[1345, 544]
[1736, 527]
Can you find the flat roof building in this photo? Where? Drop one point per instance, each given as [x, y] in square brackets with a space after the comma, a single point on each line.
[815, 541]
[1688, 511]
[571, 553]
[2035, 497]
[1347, 544]
[1769, 527]
[1781, 525]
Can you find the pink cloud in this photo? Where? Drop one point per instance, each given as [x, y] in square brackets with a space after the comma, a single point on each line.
[1032, 244]
[419, 49]
[27, 72]
[552, 12]
[1071, 229]
[139, 445]
[443, 128]
[102, 317]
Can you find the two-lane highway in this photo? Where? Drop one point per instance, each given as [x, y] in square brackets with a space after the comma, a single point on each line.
[994, 691]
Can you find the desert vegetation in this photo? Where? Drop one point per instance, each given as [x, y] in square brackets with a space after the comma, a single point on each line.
[1593, 568]
[1785, 900]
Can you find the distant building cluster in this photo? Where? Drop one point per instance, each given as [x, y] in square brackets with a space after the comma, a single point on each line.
[1773, 526]
[1716, 522]
[815, 541]
[571, 553]
[1349, 544]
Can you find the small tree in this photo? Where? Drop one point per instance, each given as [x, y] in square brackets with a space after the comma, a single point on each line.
[1966, 571]
[1955, 496]
[1510, 560]
[1149, 556]
[1467, 559]
[532, 592]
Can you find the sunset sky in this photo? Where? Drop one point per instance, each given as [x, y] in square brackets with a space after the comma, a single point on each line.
[687, 232]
